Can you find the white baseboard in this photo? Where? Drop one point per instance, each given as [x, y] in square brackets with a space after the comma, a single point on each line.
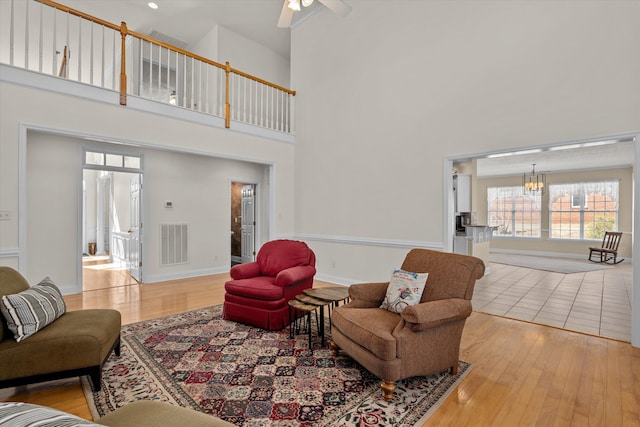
[580, 257]
[153, 278]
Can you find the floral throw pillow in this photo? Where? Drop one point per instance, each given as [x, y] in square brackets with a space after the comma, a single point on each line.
[405, 289]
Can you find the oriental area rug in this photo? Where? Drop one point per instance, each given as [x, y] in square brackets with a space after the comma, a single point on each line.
[252, 377]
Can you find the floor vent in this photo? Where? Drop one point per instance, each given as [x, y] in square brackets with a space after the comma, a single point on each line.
[174, 247]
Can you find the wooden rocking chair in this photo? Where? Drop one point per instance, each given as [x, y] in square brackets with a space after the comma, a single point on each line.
[609, 249]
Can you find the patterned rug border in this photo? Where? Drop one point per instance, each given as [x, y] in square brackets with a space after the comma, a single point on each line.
[369, 398]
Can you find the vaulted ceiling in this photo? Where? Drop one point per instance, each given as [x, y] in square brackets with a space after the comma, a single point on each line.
[188, 21]
[185, 22]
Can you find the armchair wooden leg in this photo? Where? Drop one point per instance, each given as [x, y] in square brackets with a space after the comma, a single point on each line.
[388, 387]
[454, 369]
[334, 349]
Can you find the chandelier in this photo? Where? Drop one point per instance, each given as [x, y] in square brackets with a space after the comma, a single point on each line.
[533, 183]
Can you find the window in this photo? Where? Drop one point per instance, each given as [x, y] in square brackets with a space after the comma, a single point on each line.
[112, 161]
[583, 210]
[514, 213]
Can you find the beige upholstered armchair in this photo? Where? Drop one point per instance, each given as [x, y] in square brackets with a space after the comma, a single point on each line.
[424, 338]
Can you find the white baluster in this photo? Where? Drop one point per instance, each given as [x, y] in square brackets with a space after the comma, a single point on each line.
[26, 38]
[11, 33]
[199, 85]
[113, 63]
[102, 60]
[54, 62]
[41, 41]
[67, 54]
[140, 66]
[91, 26]
[193, 92]
[207, 94]
[150, 95]
[79, 50]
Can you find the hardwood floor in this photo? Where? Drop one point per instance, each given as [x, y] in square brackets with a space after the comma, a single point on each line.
[523, 374]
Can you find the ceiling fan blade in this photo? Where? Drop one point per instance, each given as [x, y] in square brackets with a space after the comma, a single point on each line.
[338, 7]
[286, 16]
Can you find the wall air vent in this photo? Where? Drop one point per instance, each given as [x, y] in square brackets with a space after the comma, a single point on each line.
[174, 244]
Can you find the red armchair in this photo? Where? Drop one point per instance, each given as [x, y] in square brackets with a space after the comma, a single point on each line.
[259, 291]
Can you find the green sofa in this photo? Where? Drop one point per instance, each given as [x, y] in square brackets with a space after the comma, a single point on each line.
[76, 343]
[143, 413]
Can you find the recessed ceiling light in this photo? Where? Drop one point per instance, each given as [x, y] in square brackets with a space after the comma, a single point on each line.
[152, 5]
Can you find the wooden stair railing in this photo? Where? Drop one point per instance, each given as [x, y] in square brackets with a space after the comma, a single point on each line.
[124, 31]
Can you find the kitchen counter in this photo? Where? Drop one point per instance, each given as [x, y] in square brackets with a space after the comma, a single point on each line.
[479, 233]
[475, 241]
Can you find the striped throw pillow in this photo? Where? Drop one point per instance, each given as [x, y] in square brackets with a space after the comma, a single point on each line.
[18, 414]
[32, 309]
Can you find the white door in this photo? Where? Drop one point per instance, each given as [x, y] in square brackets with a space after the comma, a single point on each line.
[248, 223]
[134, 257]
[104, 213]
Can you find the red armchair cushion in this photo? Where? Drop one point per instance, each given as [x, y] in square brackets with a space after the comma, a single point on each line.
[279, 255]
[245, 271]
[262, 287]
[294, 275]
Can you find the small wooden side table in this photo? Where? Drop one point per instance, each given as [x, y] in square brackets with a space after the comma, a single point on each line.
[300, 307]
[330, 297]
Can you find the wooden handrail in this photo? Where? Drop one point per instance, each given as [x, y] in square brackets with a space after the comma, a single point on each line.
[210, 62]
[264, 82]
[80, 14]
[124, 31]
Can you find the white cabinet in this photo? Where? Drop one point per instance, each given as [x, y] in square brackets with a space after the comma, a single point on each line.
[462, 192]
[461, 245]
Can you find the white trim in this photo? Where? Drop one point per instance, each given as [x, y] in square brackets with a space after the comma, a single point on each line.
[155, 278]
[448, 205]
[9, 252]
[336, 280]
[369, 241]
[635, 288]
[580, 256]
[134, 143]
[22, 197]
[63, 86]
[33, 79]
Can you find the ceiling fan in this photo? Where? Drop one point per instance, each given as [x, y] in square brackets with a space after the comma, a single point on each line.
[289, 7]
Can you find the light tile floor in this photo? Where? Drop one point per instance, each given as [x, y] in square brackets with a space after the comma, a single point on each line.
[595, 302]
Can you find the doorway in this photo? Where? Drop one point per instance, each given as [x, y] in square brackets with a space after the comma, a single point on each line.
[111, 220]
[243, 222]
[573, 157]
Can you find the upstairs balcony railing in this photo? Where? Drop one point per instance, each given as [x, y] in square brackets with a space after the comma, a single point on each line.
[50, 38]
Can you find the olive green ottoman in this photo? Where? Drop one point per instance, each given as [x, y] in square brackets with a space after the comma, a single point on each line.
[143, 413]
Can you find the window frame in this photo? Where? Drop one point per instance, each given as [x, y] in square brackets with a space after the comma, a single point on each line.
[583, 218]
[518, 198]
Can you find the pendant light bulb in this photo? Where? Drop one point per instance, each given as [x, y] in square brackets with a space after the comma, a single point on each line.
[294, 5]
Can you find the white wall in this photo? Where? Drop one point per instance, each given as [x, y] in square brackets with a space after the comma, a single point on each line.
[251, 57]
[222, 44]
[54, 217]
[385, 94]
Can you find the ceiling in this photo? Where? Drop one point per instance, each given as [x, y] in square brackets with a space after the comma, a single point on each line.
[188, 21]
[562, 158]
